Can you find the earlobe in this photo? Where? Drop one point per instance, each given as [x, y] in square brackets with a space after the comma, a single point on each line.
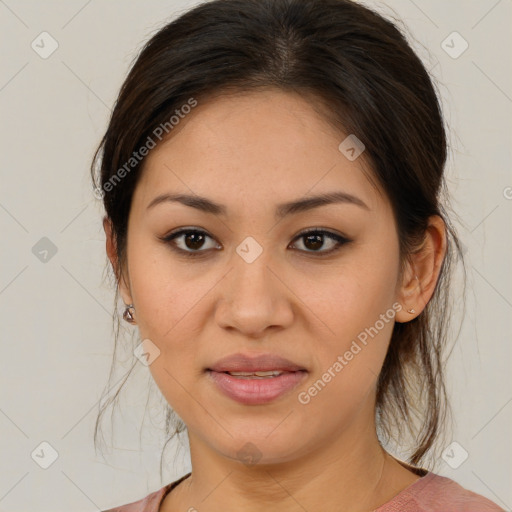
[423, 271]
[409, 297]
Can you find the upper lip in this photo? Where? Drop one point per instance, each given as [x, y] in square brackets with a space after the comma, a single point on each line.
[262, 362]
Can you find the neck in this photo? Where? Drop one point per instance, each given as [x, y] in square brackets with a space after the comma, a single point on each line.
[351, 473]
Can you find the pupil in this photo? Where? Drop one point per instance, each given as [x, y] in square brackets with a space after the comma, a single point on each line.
[316, 239]
[195, 238]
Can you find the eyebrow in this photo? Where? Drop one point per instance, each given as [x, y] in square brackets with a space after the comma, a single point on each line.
[282, 210]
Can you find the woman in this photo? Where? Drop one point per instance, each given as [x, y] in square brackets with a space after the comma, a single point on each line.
[272, 176]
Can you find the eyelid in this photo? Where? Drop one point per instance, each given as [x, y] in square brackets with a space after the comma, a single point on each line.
[318, 229]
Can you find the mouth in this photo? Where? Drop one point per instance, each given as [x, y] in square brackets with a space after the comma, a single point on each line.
[256, 375]
[255, 380]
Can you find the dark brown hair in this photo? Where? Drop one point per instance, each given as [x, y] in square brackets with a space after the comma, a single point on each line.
[362, 69]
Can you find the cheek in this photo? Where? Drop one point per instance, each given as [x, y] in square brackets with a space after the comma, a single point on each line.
[163, 297]
[170, 311]
[349, 361]
[354, 311]
[350, 298]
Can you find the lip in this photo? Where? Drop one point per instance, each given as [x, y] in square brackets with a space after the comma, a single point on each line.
[262, 362]
[255, 391]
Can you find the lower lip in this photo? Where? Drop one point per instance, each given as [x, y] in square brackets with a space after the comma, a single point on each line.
[256, 391]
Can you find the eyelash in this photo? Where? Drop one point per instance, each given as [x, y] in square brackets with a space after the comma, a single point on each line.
[341, 241]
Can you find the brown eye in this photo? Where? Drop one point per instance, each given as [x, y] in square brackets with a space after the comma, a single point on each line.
[194, 240]
[189, 241]
[314, 240]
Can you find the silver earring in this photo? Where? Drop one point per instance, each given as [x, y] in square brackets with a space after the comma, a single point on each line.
[128, 314]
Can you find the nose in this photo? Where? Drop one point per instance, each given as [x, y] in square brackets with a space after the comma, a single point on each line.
[254, 297]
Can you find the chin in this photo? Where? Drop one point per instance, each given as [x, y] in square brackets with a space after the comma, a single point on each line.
[260, 449]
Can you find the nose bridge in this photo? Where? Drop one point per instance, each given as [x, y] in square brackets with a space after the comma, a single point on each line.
[251, 274]
[254, 298]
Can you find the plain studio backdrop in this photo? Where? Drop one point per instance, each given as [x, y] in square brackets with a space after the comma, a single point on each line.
[61, 68]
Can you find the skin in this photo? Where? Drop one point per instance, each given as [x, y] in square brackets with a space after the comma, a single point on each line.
[251, 152]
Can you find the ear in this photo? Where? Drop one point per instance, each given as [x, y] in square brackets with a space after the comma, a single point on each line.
[111, 246]
[422, 271]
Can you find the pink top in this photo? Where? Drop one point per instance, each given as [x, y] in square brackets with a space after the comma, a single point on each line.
[430, 493]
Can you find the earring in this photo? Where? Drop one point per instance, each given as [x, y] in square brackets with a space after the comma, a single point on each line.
[412, 311]
[128, 314]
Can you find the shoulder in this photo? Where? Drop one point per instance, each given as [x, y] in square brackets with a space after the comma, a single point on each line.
[152, 502]
[433, 493]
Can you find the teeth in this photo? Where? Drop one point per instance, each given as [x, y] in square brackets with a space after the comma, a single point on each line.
[273, 373]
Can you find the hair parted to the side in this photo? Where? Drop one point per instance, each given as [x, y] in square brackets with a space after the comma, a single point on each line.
[360, 67]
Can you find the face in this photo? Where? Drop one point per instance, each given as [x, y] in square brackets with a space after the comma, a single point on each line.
[317, 286]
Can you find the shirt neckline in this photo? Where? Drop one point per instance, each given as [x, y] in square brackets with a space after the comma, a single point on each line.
[169, 487]
[423, 473]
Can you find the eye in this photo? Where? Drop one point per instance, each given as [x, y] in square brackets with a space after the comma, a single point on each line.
[188, 241]
[315, 239]
[191, 242]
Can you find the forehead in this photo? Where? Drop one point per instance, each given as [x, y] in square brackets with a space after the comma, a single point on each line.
[249, 147]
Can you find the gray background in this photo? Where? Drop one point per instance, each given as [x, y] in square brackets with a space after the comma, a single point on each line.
[55, 310]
